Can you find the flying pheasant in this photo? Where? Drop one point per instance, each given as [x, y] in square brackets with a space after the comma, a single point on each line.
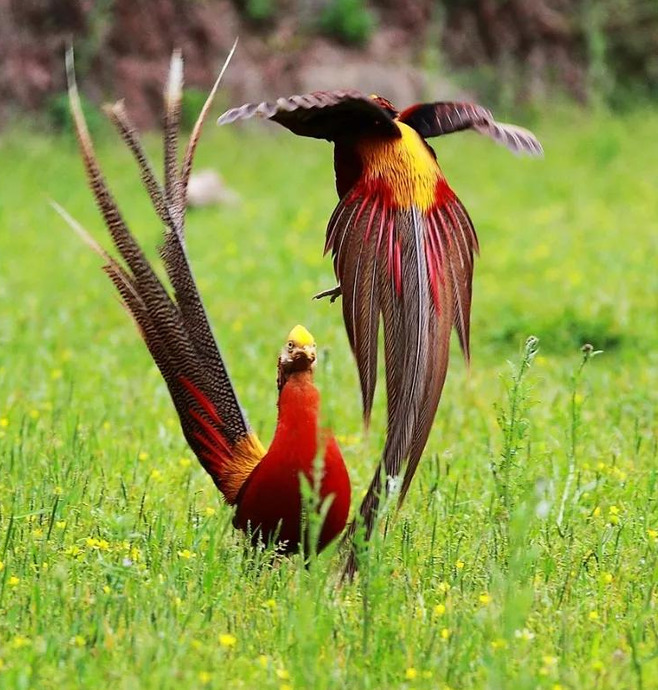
[402, 246]
[263, 485]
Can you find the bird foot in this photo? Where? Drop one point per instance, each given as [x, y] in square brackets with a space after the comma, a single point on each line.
[333, 294]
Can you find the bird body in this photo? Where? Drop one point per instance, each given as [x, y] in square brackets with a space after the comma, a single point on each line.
[270, 497]
[265, 486]
[403, 248]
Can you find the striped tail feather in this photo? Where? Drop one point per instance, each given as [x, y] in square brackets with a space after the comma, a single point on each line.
[175, 330]
[413, 269]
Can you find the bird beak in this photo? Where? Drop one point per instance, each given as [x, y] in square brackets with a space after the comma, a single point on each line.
[305, 353]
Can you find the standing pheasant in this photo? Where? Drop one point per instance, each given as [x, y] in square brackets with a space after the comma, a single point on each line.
[402, 245]
[263, 485]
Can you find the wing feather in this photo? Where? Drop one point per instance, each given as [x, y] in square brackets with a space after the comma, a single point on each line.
[321, 114]
[436, 119]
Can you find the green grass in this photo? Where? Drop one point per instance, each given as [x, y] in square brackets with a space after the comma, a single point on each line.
[120, 567]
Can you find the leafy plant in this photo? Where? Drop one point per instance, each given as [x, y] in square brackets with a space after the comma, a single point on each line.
[351, 21]
[59, 118]
[260, 10]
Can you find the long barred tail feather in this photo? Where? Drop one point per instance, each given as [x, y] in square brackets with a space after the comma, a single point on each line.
[175, 330]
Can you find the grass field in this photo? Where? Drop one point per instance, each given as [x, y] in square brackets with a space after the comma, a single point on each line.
[526, 554]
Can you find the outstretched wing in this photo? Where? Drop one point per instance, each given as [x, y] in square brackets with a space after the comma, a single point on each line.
[321, 114]
[175, 330]
[435, 119]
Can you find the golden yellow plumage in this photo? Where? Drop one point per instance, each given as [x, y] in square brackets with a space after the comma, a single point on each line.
[406, 165]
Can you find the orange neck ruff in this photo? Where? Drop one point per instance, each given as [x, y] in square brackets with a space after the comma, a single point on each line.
[405, 166]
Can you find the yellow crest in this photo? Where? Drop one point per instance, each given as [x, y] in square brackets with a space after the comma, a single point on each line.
[300, 337]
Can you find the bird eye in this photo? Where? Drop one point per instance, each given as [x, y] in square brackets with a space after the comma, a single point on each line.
[291, 345]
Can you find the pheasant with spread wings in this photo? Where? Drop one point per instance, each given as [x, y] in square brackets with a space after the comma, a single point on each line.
[402, 245]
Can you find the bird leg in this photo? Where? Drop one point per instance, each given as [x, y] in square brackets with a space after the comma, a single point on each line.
[333, 294]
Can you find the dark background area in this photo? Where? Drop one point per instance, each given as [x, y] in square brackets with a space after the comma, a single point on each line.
[509, 51]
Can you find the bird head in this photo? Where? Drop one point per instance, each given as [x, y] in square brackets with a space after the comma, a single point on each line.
[297, 355]
[385, 104]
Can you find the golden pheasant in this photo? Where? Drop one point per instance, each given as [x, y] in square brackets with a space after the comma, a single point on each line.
[402, 246]
[263, 485]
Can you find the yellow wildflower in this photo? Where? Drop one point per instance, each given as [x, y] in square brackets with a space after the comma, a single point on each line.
[263, 660]
[445, 633]
[186, 554]
[549, 664]
[593, 615]
[439, 609]
[606, 578]
[227, 640]
[13, 581]
[143, 455]
[209, 511]
[597, 511]
[34, 414]
[411, 673]
[4, 422]
[106, 589]
[270, 604]
[56, 374]
[19, 641]
[77, 641]
[156, 475]
[499, 643]
[460, 565]
[282, 674]
[204, 677]
[2, 566]
[60, 524]
[485, 598]
[184, 462]
[444, 587]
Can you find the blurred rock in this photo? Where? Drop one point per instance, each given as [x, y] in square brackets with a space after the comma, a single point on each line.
[206, 188]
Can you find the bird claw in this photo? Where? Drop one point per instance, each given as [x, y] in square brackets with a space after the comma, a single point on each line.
[333, 294]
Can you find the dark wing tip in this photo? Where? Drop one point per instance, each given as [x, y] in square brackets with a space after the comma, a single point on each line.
[311, 102]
